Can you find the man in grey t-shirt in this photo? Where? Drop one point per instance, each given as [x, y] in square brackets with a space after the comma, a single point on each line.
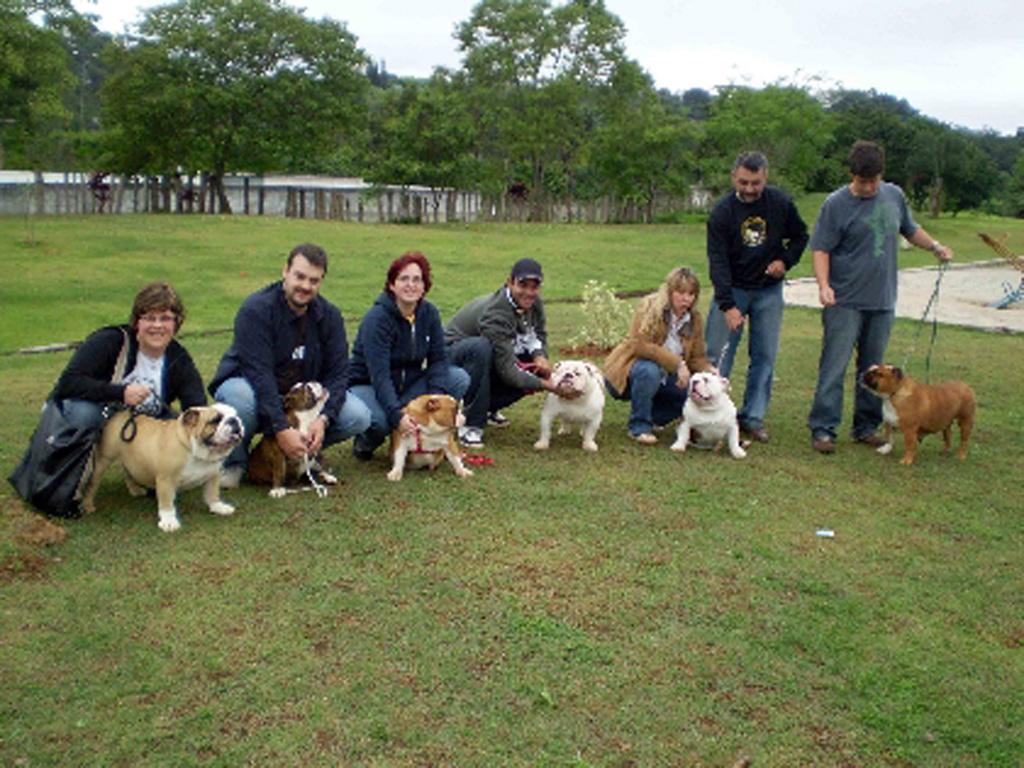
[854, 249]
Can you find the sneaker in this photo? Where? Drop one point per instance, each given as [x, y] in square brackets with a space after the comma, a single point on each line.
[497, 419]
[823, 444]
[645, 438]
[471, 437]
[363, 454]
[873, 439]
[231, 477]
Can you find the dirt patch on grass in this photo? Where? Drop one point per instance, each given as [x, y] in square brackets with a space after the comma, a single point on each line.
[28, 536]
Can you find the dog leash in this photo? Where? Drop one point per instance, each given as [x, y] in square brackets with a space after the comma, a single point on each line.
[318, 487]
[932, 305]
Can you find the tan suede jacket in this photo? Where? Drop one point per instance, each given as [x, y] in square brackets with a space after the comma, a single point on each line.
[636, 346]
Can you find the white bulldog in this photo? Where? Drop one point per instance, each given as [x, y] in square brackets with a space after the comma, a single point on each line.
[581, 402]
[709, 412]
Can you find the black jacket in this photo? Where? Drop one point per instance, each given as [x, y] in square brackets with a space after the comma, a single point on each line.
[744, 238]
[87, 376]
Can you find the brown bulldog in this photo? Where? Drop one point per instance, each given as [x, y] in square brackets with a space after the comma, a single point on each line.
[169, 455]
[437, 418]
[268, 465]
[918, 409]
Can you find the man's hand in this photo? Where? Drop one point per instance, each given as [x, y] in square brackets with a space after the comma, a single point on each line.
[541, 367]
[562, 390]
[826, 295]
[734, 319]
[135, 394]
[943, 253]
[407, 425]
[776, 268]
[316, 436]
[291, 442]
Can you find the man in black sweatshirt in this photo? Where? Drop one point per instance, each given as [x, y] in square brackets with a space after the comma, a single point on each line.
[755, 234]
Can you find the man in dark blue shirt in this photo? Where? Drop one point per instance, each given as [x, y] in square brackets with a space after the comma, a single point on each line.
[284, 334]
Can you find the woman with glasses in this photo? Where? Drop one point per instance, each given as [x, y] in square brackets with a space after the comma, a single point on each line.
[399, 353]
[651, 367]
[139, 365]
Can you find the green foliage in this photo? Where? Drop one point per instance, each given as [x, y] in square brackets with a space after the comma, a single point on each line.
[219, 85]
[35, 80]
[605, 317]
[785, 122]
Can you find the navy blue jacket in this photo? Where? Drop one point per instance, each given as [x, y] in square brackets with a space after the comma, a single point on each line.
[392, 354]
[265, 329]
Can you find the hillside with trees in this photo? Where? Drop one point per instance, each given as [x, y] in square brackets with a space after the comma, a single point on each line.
[545, 108]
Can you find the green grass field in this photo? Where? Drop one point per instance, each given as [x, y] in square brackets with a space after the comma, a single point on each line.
[633, 608]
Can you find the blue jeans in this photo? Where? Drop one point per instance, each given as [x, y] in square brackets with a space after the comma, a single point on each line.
[82, 414]
[842, 330]
[353, 419]
[763, 308]
[455, 384]
[654, 397]
[487, 391]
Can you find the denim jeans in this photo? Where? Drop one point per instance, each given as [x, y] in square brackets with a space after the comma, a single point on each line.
[353, 419]
[487, 391]
[654, 397]
[842, 330]
[763, 308]
[455, 384]
[84, 414]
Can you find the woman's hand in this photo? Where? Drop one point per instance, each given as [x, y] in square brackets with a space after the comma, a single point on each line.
[135, 394]
[683, 374]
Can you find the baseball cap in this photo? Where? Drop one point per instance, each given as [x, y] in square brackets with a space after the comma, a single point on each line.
[527, 269]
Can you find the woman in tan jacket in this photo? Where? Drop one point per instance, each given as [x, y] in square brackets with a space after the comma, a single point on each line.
[651, 367]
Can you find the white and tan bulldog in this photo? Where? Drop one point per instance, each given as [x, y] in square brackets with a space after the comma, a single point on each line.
[710, 414]
[268, 464]
[169, 455]
[437, 418]
[580, 400]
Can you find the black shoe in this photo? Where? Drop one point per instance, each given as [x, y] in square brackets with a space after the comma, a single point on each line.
[363, 454]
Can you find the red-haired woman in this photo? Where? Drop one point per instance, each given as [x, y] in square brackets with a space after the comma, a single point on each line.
[399, 353]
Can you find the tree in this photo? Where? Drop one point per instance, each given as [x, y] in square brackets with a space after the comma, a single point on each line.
[640, 146]
[35, 80]
[422, 133]
[233, 85]
[785, 122]
[532, 71]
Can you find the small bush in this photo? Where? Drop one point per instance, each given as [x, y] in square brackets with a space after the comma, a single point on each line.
[605, 317]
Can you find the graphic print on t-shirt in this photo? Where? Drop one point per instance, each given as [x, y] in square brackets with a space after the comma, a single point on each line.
[753, 231]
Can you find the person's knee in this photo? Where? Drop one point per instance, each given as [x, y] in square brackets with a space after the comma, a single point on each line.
[458, 382]
[239, 394]
[644, 372]
[83, 414]
[354, 418]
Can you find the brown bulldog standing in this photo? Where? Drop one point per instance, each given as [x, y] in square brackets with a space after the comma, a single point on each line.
[168, 456]
[918, 409]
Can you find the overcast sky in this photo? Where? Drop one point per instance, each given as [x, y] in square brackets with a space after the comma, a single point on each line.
[960, 62]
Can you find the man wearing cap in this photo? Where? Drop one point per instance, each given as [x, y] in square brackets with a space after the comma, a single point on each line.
[500, 340]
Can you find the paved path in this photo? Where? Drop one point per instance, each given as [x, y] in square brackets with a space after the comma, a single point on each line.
[965, 290]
